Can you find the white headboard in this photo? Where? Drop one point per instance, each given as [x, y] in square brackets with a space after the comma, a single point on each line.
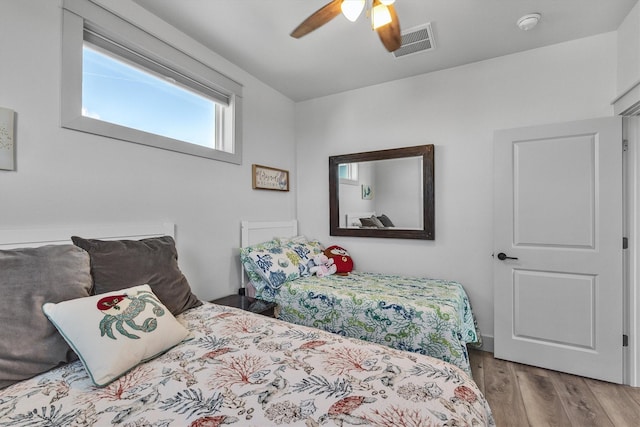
[33, 237]
[253, 232]
[260, 231]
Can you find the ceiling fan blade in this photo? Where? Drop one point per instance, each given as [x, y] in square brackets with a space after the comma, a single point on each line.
[390, 33]
[318, 19]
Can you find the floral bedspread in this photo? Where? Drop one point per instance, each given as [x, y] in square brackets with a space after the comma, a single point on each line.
[245, 369]
[421, 315]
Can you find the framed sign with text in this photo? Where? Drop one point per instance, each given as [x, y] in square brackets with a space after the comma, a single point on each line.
[266, 178]
[7, 140]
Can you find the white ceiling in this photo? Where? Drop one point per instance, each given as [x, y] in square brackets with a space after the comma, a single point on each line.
[254, 35]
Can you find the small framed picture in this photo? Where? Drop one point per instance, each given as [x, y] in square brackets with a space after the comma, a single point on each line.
[367, 192]
[266, 178]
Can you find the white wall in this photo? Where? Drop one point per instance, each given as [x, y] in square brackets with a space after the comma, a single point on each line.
[457, 110]
[350, 193]
[398, 191]
[628, 51]
[66, 177]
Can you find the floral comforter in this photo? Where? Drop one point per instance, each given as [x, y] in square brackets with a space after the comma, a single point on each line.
[421, 315]
[245, 369]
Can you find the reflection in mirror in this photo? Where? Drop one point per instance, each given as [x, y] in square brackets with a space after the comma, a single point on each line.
[386, 193]
[391, 187]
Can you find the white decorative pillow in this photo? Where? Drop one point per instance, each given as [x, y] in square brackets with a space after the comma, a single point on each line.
[253, 272]
[277, 267]
[284, 263]
[115, 331]
[295, 239]
[306, 250]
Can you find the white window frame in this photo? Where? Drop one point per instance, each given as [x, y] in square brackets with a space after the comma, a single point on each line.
[82, 19]
[352, 174]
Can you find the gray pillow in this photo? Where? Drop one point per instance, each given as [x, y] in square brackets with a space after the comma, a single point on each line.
[367, 222]
[376, 221]
[30, 277]
[372, 221]
[385, 221]
[121, 264]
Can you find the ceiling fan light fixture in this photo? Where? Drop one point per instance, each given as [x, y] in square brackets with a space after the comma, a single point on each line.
[352, 9]
[384, 19]
[380, 15]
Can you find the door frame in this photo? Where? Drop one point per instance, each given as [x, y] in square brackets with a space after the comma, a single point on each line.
[631, 256]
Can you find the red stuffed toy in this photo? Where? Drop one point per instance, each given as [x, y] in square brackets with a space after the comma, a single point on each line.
[341, 259]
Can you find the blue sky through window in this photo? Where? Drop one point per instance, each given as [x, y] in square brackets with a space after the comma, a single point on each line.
[116, 92]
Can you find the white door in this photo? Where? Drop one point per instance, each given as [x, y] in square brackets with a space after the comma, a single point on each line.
[558, 214]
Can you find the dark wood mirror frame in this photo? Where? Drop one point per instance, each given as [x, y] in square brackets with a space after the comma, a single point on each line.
[428, 197]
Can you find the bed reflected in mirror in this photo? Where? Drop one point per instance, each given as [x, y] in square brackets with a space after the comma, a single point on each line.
[385, 193]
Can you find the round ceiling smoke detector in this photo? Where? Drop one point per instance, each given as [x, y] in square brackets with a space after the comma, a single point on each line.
[529, 21]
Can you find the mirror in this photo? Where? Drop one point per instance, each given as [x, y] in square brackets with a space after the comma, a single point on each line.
[385, 193]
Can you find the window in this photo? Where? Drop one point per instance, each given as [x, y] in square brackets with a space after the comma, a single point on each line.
[116, 92]
[119, 81]
[348, 173]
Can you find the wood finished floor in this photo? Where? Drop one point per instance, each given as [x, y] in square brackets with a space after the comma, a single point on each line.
[521, 395]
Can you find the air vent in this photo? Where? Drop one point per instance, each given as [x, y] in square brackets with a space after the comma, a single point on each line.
[416, 40]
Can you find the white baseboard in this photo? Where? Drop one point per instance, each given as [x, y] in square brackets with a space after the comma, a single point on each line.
[487, 343]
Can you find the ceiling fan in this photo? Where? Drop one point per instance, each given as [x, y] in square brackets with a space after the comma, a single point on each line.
[383, 15]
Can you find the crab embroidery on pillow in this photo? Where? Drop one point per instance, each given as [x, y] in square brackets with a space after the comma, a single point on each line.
[121, 310]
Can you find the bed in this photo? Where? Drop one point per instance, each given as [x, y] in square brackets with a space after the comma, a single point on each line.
[352, 219]
[200, 364]
[369, 220]
[421, 315]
